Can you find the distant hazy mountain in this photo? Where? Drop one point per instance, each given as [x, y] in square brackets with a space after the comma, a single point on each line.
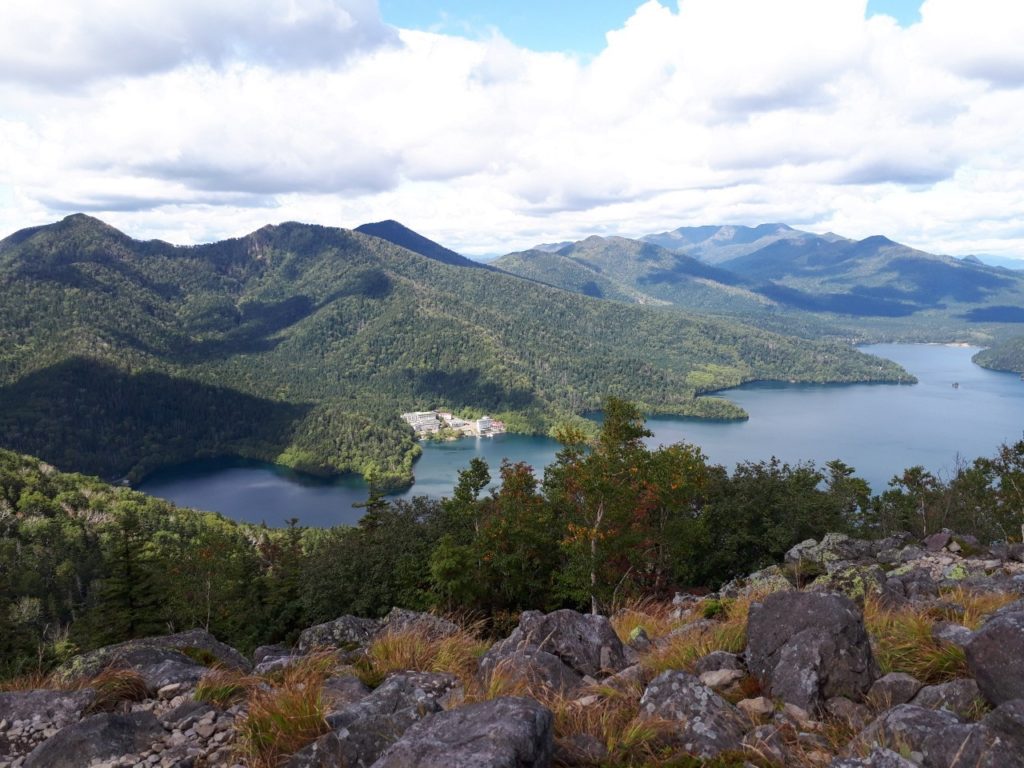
[877, 276]
[630, 270]
[718, 243]
[997, 261]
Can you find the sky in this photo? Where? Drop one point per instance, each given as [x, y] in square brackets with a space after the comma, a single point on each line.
[490, 127]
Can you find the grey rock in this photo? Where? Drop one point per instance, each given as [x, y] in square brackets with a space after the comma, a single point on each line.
[275, 663]
[718, 660]
[265, 652]
[995, 657]
[526, 663]
[960, 697]
[1006, 722]
[345, 632]
[937, 541]
[805, 648]
[878, 757]
[911, 553]
[501, 733]
[585, 642]
[153, 650]
[400, 619]
[769, 742]
[1015, 552]
[363, 730]
[940, 737]
[342, 690]
[893, 689]
[57, 707]
[708, 724]
[953, 634]
[856, 715]
[96, 737]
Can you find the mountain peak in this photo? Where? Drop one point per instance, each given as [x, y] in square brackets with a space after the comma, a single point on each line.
[398, 234]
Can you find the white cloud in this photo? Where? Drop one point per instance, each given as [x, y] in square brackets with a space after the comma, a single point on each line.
[207, 120]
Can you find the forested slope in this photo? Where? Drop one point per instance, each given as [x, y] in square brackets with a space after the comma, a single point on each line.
[301, 344]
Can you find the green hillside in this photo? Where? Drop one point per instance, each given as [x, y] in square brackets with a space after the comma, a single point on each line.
[301, 344]
[1006, 356]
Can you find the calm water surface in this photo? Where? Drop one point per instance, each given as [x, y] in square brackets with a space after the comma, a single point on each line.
[877, 428]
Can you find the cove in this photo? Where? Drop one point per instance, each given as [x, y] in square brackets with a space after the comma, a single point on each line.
[879, 429]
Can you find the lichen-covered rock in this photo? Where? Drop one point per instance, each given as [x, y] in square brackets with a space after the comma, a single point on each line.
[854, 581]
[150, 651]
[960, 697]
[345, 632]
[507, 732]
[585, 642]
[805, 647]
[893, 689]
[995, 657]
[96, 737]
[939, 739]
[708, 724]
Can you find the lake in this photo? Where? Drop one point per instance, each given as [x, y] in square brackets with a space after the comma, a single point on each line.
[877, 428]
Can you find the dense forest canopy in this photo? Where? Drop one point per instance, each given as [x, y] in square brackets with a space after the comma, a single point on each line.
[83, 563]
[302, 344]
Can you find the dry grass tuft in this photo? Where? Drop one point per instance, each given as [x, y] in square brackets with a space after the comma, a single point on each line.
[729, 633]
[654, 617]
[286, 715]
[976, 605]
[902, 641]
[223, 687]
[31, 681]
[115, 686]
[416, 649]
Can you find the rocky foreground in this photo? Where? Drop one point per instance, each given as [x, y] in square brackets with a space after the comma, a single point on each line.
[805, 664]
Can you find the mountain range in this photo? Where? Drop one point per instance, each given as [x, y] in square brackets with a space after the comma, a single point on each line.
[743, 270]
[302, 344]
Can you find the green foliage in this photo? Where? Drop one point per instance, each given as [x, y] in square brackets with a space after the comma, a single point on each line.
[1007, 355]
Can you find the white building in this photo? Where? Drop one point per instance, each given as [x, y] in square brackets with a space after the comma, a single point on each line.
[483, 425]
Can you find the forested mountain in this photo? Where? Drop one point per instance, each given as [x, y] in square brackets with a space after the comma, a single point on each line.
[629, 270]
[301, 344]
[751, 272]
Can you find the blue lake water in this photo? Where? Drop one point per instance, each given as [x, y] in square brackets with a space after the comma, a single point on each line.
[877, 428]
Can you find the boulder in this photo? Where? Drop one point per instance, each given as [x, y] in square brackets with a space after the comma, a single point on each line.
[769, 742]
[1006, 722]
[97, 737]
[952, 634]
[995, 657]
[501, 733]
[150, 651]
[345, 632]
[529, 665]
[806, 647]
[400, 619]
[857, 716]
[718, 660]
[893, 689]
[58, 708]
[960, 697]
[854, 581]
[938, 541]
[361, 731]
[938, 739]
[585, 642]
[708, 724]
[339, 691]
